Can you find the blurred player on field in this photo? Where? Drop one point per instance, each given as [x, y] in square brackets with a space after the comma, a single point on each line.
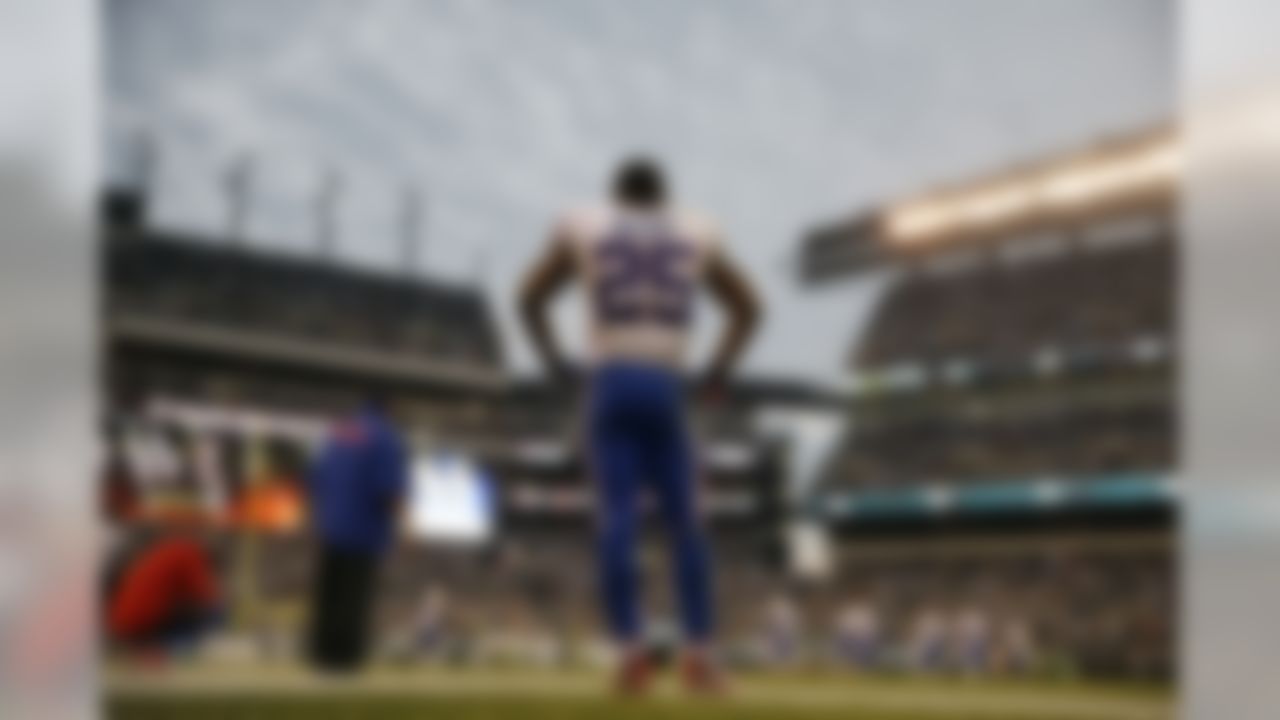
[857, 633]
[430, 621]
[783, 631]
[971, 638]
[928, 641]
[640, 261]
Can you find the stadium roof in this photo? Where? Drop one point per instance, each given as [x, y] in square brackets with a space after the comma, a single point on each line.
[1119, 175]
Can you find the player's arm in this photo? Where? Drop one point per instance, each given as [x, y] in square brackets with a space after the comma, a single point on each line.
[733, 291]
[545, 280]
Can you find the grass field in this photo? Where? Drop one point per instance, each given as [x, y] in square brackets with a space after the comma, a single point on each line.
[197, 693]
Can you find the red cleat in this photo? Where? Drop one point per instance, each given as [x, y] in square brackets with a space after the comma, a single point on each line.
[634, 674]
[701, 675]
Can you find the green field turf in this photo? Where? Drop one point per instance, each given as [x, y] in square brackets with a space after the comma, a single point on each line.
[286, 694]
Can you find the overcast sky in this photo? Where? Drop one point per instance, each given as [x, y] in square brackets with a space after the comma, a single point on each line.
[773, 115]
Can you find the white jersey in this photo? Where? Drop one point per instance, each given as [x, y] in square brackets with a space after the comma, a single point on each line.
[640, 271]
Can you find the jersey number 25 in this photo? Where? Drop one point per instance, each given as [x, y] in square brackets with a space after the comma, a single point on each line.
[643, 282]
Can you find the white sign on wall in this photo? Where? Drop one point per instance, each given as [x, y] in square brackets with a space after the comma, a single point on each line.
[452, 500]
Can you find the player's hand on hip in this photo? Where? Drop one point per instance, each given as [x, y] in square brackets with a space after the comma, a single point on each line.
[711, 390]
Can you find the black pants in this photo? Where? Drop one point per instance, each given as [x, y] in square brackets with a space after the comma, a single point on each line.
[341, 604]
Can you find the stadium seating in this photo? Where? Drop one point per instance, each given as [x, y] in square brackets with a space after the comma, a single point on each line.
[1066, 334]
[1001, 311]
[198, 282]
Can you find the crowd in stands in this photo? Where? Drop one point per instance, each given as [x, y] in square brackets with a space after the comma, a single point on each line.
[1035, 303]
[998, 310]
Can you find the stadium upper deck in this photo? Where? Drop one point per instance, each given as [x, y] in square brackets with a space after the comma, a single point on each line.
[168, 291]
[1023, 352]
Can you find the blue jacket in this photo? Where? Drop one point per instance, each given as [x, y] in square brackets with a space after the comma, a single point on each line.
[358, 482]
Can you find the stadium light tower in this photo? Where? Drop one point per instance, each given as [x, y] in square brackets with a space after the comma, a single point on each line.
[480, 267]
[238, 183]
[144, 168]
[327, 198]
[411, 220]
